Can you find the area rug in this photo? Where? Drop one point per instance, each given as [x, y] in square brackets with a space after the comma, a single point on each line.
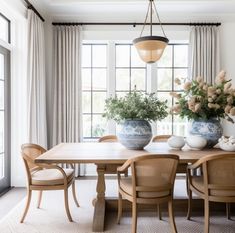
[51, 217]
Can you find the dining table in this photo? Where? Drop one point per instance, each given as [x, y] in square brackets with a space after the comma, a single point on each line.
[107, 157]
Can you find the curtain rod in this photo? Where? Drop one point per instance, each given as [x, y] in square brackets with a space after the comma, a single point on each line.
[135, 24]
[31, 7]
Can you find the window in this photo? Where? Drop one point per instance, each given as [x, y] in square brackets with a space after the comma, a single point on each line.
[4, 28]
[173, 64]
[115, 68]
[130, 70]
[94, 89]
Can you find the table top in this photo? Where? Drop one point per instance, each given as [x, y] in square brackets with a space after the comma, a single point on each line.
[115, 153]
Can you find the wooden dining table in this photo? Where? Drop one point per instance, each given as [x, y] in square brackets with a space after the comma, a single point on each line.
[107, 157]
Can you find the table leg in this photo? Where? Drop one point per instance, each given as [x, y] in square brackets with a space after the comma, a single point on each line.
[99, 203]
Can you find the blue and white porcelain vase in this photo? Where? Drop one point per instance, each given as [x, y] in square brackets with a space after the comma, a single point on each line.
[135, 134]
[210, 129]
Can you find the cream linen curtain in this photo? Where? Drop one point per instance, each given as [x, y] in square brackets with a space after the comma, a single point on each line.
[37, 126]
[204, 52]
[67, 86]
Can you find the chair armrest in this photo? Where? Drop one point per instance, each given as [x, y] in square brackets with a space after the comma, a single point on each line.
[124, 167]
[194, 165]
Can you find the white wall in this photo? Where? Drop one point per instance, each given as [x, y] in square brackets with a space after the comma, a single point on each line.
[227, 36]
[16, 12]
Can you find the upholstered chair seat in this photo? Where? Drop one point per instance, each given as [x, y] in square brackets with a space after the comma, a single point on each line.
[51, 176]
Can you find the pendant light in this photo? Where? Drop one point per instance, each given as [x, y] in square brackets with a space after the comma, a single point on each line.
[150, 48]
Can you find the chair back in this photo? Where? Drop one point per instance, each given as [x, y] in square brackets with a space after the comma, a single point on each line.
[108, 138]
[219, 174]
[161, 138]
[29, 153]
[154, 172]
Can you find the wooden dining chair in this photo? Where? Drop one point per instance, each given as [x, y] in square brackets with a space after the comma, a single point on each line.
[108, 138]
[217, 184]
[152, 182]
[161, 138]
[45, 177]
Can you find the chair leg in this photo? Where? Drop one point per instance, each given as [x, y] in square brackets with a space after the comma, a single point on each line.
[207, 217]
[74, 194]
[29, 195]
[189, 204]
[159, 212]
[134, 217]
[126, 173]
[119, 208]
[39, 199]
[67, 204]
[228, 211]
[171, 217]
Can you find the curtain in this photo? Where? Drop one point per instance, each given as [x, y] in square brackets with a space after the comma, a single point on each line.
[37, 127]
[67, 86]
[204, 57]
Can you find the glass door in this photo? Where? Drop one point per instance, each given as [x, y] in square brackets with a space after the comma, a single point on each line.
[5, 179]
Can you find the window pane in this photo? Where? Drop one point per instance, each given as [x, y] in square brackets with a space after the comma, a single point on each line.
[138, 77]
[99, 126]
[86, 102]
[1, 131]
[164, 79]
[98, 101]
[135, 58]
[179, 126]
[165, 96]
[86, 79]
[1, 166]
[165, 126]
[1, 66]
[166, 59]
[86, 56]
[1, 94]
[99, 79]
[99, 56]
[181, 55]
[182, 74]
[121, 94]
[122, 79]
[122, 55]
[4, 29]
[86, 126]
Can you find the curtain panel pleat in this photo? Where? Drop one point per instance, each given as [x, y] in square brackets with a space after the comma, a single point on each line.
[37, 126]
[204, 53]
[67, 112]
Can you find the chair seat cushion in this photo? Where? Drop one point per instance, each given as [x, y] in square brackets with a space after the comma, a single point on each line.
[126, 186]
[198, 183]
[51, 177]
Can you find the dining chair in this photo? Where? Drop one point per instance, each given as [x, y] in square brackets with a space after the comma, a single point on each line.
[44, 177]
[108, 138]
[216, 184]
[161, 138]
[151, 182]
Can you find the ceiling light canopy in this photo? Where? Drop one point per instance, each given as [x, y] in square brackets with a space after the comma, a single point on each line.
[150, 48]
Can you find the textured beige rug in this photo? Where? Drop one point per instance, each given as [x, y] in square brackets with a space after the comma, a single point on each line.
[51, 218]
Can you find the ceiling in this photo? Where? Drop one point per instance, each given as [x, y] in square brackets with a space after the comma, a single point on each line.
[135, 10]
